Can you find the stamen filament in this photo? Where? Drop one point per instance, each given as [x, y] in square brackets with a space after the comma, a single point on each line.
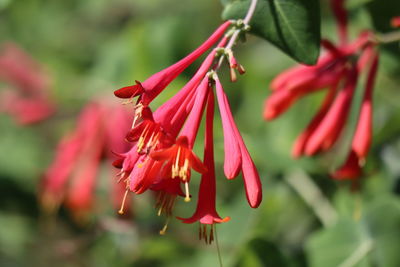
[121, 210]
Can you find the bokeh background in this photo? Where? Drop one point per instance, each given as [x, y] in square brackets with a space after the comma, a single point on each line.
[90, 48]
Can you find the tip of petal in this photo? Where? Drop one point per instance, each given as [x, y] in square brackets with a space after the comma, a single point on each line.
[129, 91]
[351, 169]
[226, 219]
[118, 163]
[269, 114]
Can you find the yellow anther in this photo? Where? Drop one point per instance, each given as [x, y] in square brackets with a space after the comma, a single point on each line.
[187, 197]
[164, 229]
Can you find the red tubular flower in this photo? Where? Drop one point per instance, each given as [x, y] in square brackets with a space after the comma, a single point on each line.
[363, 134]
[161, 158]
[193, 121]
[240, 154]
[27, 94]
[19, 69]
[173, 113]
[302, 140]
[116, 124]
[351, 169]
[77, 157]
[206, 212]
[327, 132]
[73, 174]
[154, 85]
[182, 159]
[341, 18]
[338, 70]
[25, 110]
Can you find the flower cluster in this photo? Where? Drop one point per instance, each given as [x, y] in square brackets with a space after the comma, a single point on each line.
[27, 88]
[71, 178]
[162, 157]
[337, 72]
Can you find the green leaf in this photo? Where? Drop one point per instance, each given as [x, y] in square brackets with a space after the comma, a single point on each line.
[381, 13]
[383, 220]
[261, 252]
[291, 25]
[345, 244]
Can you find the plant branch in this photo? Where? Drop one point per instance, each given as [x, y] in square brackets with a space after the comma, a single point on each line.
[237, 32]
[387, 37]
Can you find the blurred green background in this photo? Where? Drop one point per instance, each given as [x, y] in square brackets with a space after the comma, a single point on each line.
[92, 47]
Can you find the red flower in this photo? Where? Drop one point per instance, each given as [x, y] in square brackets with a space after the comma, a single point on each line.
[206, 212]
[182, 159]
[72, 176]
[162, 158]
[338, 71]
[154, 85]
[27, 94]
[237, 156]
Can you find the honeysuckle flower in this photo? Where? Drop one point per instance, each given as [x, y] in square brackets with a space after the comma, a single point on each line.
[182, 160]
[161, 158]
[71, 178]
[340, 13]
[206, 213]
[26, 97]
[25, 110]
[155, 84]
[338, 71]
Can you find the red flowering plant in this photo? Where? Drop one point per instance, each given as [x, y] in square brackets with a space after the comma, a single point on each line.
[337, 72]
[72, 177]
[26, 91]
[162, 157]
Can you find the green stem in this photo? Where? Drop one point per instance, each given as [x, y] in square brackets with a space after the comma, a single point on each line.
[387, 37]
[236, 33]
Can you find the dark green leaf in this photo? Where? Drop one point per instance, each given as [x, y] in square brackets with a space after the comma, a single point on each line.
[291, 25]
[381, 13]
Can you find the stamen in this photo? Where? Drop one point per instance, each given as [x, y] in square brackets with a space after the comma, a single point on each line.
[211, 237]
[164, 229]
[187, 198]
[142, 138]
[160, 203]
[184, 170]
[175, 167]
[241, 69]
[138, 112]
[121, 210]
[153, 142]
[165, 203]
[205, 232]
